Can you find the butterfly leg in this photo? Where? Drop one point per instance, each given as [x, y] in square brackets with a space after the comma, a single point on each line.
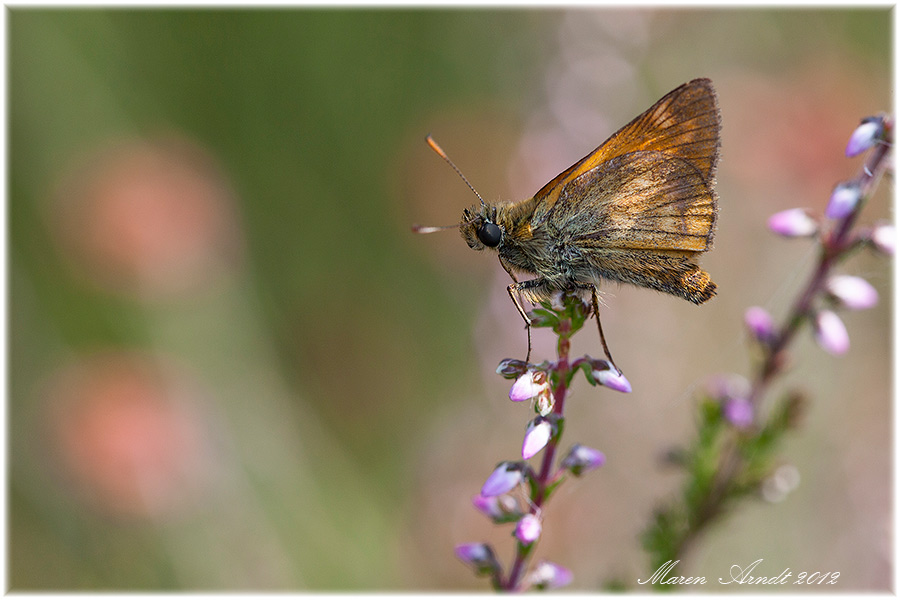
[513, 290]
[595, 303]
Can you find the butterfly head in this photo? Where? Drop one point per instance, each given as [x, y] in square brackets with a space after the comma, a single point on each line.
[479, 227]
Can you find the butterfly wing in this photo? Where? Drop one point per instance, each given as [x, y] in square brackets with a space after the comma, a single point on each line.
[638, 208]
[638, 201]
[684, 124]
[638, 218]
[649, 186]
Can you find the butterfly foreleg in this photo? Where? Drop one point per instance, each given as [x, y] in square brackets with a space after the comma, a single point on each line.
[515, 290]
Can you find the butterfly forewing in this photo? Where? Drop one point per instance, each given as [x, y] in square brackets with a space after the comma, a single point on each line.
[649, 186]
[684, 123]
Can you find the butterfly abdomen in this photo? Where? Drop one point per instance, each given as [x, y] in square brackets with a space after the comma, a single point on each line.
[696, 286]
[670, 272]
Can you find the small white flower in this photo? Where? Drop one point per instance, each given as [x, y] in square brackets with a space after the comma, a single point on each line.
[831, 335]
[528, 529]
[853, 292]
[843, 201]
[612, 379]
[759, 322]
[548, 575]
[864, 136]
[539, 432]
[794, 222]
[884, 237]
[505, 477]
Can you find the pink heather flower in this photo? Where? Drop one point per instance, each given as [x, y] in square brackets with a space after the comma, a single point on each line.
[496, 507]
[843, 200]
[612, 379]
[548, 575]
[538, 433]
[528, 529]
[759, 322]
[505, 477]
[864, 136]
[884, 238]
[852, 292]
[738, 412]
[831, 335]
[489, 505]
[472, 553]
[582, 459]
[527, 387]
[478, 556]
[794, 222]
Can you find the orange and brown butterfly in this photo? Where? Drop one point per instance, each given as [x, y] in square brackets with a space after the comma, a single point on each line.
[639, 209]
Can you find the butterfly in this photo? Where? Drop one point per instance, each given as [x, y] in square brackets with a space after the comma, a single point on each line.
[639, 209]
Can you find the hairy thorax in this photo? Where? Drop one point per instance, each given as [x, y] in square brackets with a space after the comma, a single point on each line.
[548, 256]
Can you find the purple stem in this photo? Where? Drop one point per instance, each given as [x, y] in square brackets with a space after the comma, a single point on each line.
[545, 477]
[836, 245]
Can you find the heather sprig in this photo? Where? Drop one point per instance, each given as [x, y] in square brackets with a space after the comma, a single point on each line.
[734, 452]
[547, 385]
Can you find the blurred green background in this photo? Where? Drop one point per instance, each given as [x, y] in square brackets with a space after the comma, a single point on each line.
[232, 366]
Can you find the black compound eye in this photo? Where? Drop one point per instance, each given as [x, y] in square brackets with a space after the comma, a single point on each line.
[489, 234]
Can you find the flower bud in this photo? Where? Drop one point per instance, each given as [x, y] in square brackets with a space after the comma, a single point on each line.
[830, 333]
[794, 222]
[528, 385]
[538, 433]
[497, 508]
[548, 575]
[510, 368]
[478, 556]
[852, 292]
[843, 200]
[760, 323]
[606, 374]
[884, 238]
[865, 136]
[582, 459]
[738, 412]
[528, 529]
[505, 477]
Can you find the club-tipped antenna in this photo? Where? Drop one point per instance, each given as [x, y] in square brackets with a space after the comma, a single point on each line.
[443, 155]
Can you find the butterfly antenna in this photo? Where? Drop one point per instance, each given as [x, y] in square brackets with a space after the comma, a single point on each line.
[432, 228]
[443, 155]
